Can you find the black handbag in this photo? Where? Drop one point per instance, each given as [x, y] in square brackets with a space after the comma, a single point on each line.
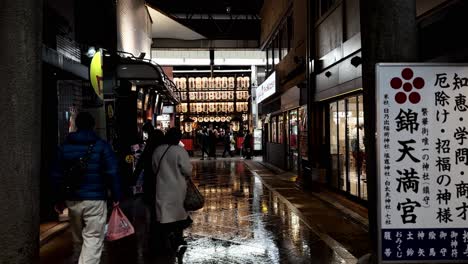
[194, 200]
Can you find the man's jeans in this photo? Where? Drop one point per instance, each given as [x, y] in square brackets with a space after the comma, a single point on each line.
[87, 221]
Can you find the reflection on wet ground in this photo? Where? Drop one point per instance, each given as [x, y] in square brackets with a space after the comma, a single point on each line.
[242, 222]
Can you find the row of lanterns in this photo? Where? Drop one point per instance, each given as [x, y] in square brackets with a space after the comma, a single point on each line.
[212, 82]
[219, 95]
[212, 107]
[189, 123]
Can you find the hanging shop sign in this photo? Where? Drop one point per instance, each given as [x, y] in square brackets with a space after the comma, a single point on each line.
[422, 143]
[168, 109]
[257, 135]
[96, 74]
[267, 88]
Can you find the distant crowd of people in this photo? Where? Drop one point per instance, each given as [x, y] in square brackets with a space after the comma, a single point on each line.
[207, 139]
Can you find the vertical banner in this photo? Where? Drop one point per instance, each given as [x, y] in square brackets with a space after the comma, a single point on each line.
[303, 133]
[110, 120]
[422, 143]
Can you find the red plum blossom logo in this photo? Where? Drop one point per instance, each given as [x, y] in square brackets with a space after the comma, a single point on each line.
[407, 83]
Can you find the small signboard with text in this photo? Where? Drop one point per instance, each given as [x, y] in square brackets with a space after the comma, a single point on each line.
[267, 88]
[422, 143]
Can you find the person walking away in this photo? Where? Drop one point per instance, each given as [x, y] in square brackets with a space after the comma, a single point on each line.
[233, 144]
[86, 168]
[212, 143]
[247, 145]
[227, 144]
[145, 194]
[205, 144]
[171, 164]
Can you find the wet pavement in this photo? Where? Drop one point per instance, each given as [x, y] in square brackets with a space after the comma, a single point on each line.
[242, 222]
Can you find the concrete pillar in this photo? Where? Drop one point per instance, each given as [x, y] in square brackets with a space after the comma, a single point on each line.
[388, 34]
[20, 117]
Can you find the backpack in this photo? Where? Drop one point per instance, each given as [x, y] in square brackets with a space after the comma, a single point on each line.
[75, 171]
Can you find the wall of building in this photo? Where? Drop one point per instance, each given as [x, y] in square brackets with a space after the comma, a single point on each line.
[133, 27]
[338, 40]
[272, 13]
[291, 69]
[337, 70]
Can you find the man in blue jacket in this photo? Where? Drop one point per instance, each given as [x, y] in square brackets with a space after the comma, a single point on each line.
[86, 169]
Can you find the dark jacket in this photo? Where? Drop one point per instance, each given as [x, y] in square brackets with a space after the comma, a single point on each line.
[102, 172]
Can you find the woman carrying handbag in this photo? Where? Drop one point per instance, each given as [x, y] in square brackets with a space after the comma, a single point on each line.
[172, 167]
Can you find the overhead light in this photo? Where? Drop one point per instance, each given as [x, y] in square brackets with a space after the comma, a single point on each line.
[134, 88]
[107, 55]
[91, 51]
[124, 68]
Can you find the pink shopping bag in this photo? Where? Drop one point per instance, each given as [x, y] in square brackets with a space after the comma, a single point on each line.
[119, 226]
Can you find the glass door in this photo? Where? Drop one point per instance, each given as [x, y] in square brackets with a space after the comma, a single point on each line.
[333, 123]
[293, 146]
[362, 150]
[342, 158]
[353, 146]
[347, 151]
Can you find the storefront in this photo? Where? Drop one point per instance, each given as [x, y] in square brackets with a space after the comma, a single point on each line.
[285, 130]
[347, 156]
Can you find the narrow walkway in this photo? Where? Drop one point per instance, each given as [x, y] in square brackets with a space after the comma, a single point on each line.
[242, 222]
[339, 223]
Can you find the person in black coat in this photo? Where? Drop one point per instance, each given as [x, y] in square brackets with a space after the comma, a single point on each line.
[204, 141]
[227, 144]
[212, 143]
[247, 145]
[147, 231]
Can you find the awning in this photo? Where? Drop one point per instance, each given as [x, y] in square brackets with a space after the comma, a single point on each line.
[60, 61]
[147, 74]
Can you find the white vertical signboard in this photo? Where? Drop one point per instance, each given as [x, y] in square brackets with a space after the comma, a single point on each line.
[422, 142]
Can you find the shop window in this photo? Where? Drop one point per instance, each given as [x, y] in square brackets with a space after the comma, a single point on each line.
[272, 59]
[334, 168]
[342, 144]
[347, 151]
[284, 43]
[276, 45]
[280, 129]
[268, 63]
[290, 26]
[293, 140]
[354, 154]
[362, 162]
[274, 130]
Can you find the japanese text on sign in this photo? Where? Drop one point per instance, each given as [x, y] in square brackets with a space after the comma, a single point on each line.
[423, 157]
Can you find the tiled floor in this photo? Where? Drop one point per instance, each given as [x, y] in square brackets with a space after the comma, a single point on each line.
[242, 222]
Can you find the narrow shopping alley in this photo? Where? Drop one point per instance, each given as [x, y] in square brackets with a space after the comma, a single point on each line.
[243, 221]
[296, 131]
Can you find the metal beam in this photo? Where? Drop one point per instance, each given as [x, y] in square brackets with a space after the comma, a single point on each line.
[193, 16]
[204, 44]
